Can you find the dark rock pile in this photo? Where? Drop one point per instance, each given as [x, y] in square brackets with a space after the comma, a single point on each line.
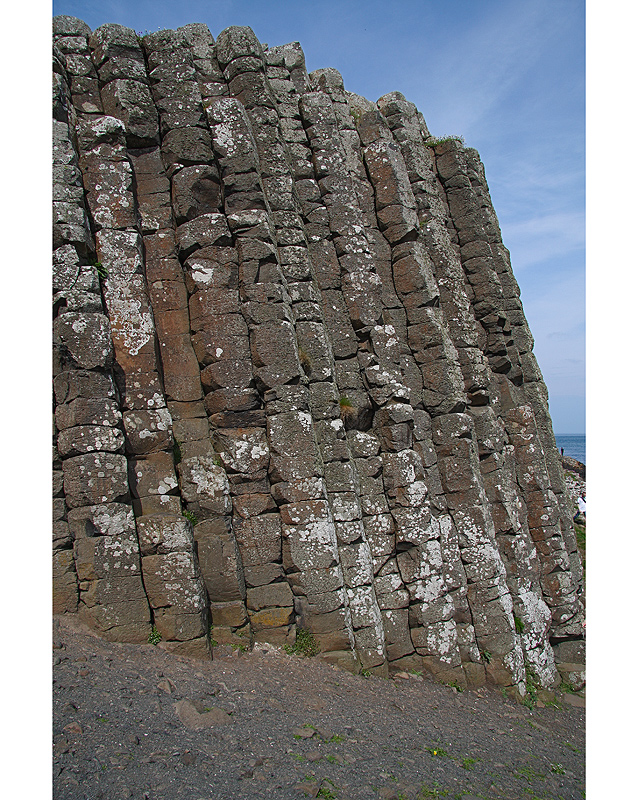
[294, 383]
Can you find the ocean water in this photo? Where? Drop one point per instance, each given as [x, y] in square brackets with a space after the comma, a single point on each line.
[574, 445]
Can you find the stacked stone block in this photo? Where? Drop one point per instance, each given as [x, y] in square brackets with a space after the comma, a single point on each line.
[317, 406]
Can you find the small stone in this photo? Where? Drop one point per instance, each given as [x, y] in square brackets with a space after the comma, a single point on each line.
[187, 758]
[192, 719]
[314, 755]
[60, 745]
[325, 734]
[308, 788]
[303, 733]
[73, 727]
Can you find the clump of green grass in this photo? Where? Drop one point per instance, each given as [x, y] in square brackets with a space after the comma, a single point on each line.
[426, 793]
[444, 139]
[154, 637]
[365, 673]
[531, 694]
[190, 517]
[519, 624]
[437, 751]
[305, 644]
[101, 270]
[528, 774]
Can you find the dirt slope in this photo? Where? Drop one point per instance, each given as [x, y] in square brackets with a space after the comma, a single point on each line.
[133, 721]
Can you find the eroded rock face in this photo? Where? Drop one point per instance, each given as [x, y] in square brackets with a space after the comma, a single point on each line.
[294, 383]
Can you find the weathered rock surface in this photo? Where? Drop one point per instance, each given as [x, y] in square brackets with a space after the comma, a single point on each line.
[294, 384]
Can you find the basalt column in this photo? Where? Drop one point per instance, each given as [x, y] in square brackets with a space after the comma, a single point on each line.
[521, 395]
[96, 561]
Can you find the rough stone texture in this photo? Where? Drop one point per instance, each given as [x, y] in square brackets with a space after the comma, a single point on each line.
[294, 384]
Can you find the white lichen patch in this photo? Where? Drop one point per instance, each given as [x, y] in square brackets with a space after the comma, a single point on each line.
[121, 254]
[363, 607]
[165, 534]
[166, 484]
[467, 640]
[357, 563]
[181, 587]
[428, 589]
[208, 478]
[313, 544]
[515, 663]
[536, 619]
[345, 506]
[388, 584]
[245, 452]
[441, 641]
[131, 324]
[113, 521]
[415, 493]
[305, 420]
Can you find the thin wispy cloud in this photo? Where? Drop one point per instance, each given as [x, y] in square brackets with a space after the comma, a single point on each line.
[480, 67]
[554, 308]
[534, 240]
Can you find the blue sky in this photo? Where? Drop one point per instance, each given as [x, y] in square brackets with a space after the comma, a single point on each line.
[507, 75]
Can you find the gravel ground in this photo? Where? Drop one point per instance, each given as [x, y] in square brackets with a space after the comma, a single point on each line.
[134, 721]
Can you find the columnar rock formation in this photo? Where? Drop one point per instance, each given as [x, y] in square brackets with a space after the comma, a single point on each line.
[294, 383]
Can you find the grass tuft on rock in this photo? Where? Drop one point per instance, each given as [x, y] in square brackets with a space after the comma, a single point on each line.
[305, 645]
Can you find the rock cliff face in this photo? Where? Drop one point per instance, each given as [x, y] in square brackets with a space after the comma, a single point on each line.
[294, 384]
